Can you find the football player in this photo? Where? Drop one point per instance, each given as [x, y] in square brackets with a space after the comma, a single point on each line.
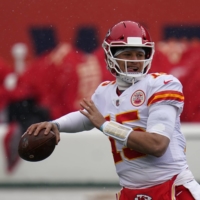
[140, 114]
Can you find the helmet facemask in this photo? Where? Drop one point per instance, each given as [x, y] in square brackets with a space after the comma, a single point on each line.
[128, 34]
[127, 75]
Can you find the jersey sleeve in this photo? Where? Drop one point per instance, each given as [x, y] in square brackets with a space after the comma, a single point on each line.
[74, 122]
[166, 89]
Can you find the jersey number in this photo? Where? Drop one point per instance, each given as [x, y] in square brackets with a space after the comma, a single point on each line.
[128, 153]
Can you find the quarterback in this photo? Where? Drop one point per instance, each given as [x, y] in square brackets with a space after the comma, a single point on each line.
[140, 114]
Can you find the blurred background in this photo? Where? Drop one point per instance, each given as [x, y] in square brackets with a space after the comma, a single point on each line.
[51, 57]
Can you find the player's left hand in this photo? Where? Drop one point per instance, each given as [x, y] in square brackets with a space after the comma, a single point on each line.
[92, 113]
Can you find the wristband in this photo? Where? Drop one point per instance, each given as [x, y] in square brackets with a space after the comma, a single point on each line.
[101, 127]
[116, 130]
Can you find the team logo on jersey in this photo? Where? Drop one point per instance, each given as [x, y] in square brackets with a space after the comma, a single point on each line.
[142, 197]
[138, 98]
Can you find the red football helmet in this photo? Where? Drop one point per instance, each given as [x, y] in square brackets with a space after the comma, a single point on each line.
[128, 34]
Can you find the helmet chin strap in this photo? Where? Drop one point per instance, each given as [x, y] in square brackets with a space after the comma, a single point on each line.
[124, 82]
[127, 79]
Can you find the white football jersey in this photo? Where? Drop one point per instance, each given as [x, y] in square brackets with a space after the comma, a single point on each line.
[131, 108]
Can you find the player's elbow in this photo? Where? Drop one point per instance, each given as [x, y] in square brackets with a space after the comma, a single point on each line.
[158, 152]
[160, 149]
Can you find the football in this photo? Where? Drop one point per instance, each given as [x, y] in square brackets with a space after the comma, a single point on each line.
[36, 148]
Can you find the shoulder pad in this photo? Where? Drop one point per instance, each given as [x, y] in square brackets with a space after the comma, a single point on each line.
[160, 79]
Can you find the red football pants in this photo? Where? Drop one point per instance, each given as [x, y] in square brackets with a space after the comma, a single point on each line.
[164, 191]
[183, 193]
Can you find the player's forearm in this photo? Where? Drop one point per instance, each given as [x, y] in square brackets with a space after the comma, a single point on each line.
[73, 122]
[148, 143]
[144, 142]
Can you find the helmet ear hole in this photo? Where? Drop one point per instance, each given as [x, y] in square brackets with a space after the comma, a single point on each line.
[148, 52]
[114, 50]
[113, 72]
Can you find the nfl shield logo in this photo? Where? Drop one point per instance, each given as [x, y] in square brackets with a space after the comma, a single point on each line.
[117, 102]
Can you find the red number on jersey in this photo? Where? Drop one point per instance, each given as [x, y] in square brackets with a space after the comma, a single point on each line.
[128, 153]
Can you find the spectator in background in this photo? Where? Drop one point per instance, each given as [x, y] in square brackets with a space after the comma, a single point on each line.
[23, 106]
[11, 132]
[176, 56]
[5, 70]
[169, 53]
[93, 70]
[56, 81]
[191, 82]
[86, 39]
[183, 56]
[50, 86]
[39, 90]
[46, 89]
[161, 63]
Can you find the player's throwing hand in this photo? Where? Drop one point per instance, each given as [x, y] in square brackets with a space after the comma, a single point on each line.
[92, 113]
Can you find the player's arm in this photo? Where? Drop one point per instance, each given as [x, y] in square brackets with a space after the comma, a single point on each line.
[165, 104]
[160, 127]
[70, 123]
[73, 122]
[154, 142]
[148, 143]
